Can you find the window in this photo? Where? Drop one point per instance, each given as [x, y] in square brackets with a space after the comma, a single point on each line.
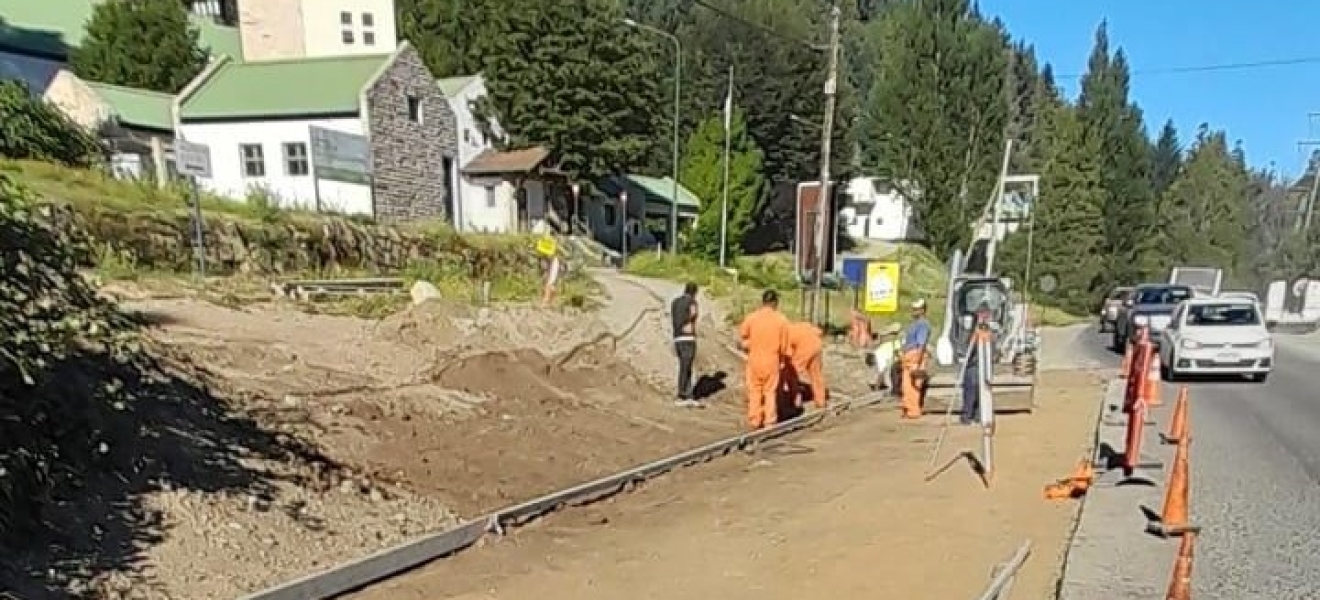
[346, 36]
[467, 136]
[368, 38]
[1205, 315]
[611, 215]
[346, 19]
[254, 160]
[1162, 295]
[490, 196]
[367, 20]
[414, 109]
[295, 159]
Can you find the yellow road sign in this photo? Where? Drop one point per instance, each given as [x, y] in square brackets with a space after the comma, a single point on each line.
[881, 287]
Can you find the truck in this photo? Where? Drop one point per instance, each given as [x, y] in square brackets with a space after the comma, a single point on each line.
[1205, 281]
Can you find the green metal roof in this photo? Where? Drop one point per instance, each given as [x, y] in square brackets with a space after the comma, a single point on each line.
[296, 87]
[451, 86]
[52, 27]
[140, 108]
[664, 188]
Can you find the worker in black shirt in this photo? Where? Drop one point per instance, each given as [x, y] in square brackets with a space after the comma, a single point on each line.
[683, 313]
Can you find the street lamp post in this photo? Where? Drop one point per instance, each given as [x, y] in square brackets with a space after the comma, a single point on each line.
[678, 89]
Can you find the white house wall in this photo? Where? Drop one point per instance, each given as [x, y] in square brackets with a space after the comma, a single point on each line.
[474, 214]
[877, 216]
[488, 205]
[323, 29]
[228, 180]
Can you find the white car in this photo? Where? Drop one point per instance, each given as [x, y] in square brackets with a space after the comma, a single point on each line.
[1217, 336]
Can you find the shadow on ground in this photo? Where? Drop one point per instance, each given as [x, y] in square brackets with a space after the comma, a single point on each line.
[122, 427]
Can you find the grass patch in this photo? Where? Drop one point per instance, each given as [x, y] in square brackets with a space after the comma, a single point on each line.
[1049, 316]
[922, 275]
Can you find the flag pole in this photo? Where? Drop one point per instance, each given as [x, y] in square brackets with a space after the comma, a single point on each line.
[728, 139]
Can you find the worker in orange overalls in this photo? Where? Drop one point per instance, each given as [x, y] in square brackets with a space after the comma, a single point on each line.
[806, 344]
[764, 336]
[914, 360]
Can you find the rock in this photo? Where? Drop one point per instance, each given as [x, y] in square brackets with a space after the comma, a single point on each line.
[423, 291]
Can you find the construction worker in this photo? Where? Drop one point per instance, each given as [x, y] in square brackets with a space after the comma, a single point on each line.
[806, 344]
[683, 312]
[764, 336]
[914, 360]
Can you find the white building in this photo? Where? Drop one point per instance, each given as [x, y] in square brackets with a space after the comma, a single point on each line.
[484, 204]
[874, 210]
[285, 29]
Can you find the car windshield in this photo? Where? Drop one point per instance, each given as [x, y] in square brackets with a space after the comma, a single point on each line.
[1163, 295]
[1206, 315]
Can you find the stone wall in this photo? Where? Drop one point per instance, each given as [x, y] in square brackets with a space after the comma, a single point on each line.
[408, 158]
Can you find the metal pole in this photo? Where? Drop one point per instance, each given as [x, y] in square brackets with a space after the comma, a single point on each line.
[728, 147]
[623, 229]
[1304, 222]
[826, 139]
[1031, 236]
[199, 236]
[995, 202]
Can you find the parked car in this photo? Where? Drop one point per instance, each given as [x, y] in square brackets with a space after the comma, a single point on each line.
[1217, 336]
[1112, 306]
[1151, 305]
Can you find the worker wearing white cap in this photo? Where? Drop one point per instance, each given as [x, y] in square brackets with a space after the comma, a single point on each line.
[914, 360]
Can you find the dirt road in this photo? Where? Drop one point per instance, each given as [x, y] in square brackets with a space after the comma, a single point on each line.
[843, 512]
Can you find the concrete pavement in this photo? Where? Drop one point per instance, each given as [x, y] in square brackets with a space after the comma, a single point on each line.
[1255, 494]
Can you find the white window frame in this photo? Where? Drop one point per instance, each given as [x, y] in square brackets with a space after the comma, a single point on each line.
[297, 162]
[253, 164]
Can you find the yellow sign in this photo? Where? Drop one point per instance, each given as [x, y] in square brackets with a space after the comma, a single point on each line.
[881, 287]
[547, 246]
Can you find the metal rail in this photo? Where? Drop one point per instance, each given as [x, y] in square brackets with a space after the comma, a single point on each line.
[389, 562]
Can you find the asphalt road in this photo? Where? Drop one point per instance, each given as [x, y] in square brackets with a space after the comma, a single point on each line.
[1256, 478]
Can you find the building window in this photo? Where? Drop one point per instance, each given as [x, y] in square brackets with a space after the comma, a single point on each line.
[414, 109]
[611, 215]
[467, 136]
[367, 20]
[295, 159]
[346, 36]
[346, 27]
[368, 38]
[254, 160]
[346, 19]
[490, 196]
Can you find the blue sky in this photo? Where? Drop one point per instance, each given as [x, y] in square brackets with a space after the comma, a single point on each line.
[1265, 107]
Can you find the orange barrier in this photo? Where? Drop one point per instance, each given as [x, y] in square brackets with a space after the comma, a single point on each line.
[1152, 390]
[1134, 402]
[1127, 362]
[1179, 420]
[1180, 585]
[1075, 486]
[1137, 369]
[1174, 517]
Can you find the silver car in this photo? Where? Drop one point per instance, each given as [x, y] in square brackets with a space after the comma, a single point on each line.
[1151, 305]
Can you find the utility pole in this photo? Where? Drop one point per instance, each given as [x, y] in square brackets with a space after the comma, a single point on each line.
[823, 203]
[1308, 203]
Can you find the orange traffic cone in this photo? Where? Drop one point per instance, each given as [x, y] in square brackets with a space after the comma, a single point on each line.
[1127, 362]
[1152, 391]
[1179, 420]
[1180, 585]
[1173, 519]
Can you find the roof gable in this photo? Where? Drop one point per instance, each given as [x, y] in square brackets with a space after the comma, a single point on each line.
[453, 86]
[139, 108]
[283, 88]
[50, 28]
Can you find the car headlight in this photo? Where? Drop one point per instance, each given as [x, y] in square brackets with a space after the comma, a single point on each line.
[1190, 344]
[1141, 320]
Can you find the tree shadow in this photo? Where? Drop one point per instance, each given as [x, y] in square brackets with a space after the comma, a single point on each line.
[125, 427]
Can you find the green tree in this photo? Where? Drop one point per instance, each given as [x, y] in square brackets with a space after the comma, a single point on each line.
[1166, 159]
[32, 129]
[1111, 117]
[1068, 232]
[936, 115]
[569, 76]
[146, 44]
[1203, 215]
[703, 173]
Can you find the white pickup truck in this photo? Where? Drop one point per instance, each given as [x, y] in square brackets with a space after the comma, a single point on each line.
[1205, 281]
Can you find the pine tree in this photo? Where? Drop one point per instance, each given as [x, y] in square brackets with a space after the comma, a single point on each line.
[569, 75]
[146, 44]
[1068, 230]
[935, 116]
[1167, 159]
[703, 173]
[1110, 116]
[1203, 213]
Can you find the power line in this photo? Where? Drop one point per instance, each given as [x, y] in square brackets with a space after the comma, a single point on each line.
[757, 26]
[1209, 68]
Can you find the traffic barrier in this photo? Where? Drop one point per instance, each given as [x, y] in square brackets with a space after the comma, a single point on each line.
[1127, 362]
[1174, 517]
[1152, 395]
[1180, 584]
[1179, 420]
[389, 562]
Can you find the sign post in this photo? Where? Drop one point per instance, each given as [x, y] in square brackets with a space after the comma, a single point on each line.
[194, 161]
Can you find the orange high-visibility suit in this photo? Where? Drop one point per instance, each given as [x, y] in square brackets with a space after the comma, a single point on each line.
[765, 337]
[806, 344]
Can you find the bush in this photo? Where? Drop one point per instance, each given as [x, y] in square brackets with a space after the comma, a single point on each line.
[32, 129]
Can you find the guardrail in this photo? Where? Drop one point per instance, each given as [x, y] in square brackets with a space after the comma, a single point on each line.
[390, 562]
